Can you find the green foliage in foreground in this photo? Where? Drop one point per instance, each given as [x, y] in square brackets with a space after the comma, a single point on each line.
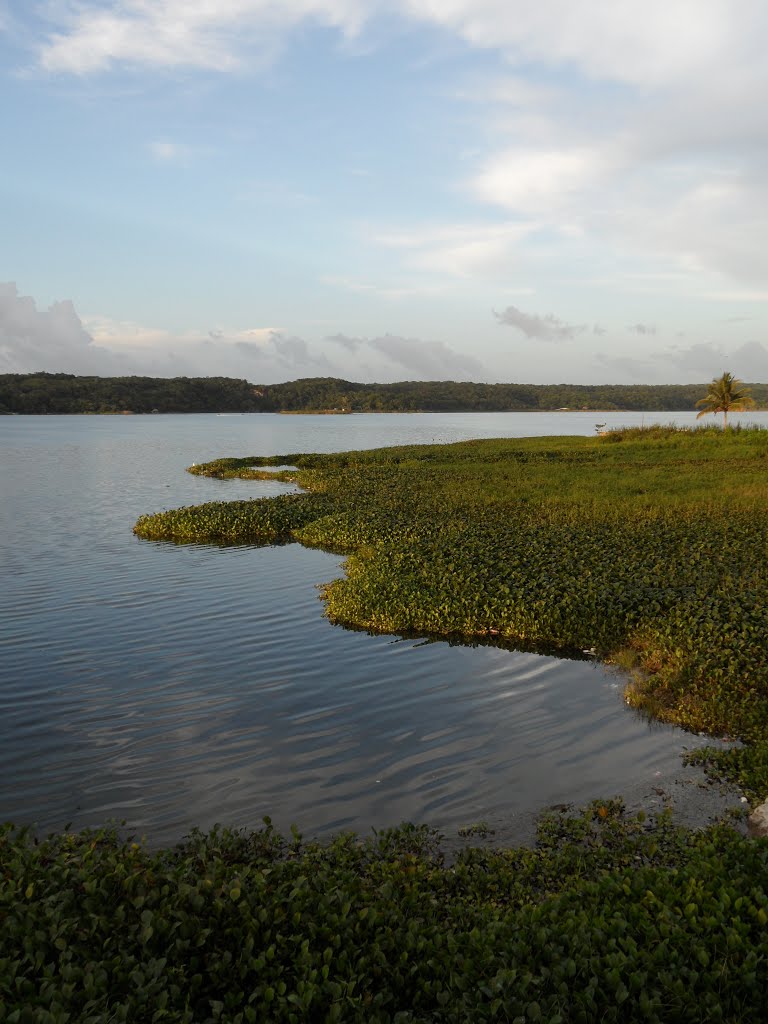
[607, 919]
[647, 545]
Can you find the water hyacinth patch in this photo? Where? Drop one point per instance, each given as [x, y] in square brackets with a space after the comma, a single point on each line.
[645, 541]
[270, 521]
[609, 918]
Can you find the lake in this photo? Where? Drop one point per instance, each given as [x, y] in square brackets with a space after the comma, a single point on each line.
[173, 686]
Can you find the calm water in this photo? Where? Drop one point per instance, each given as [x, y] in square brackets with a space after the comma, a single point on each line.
[179, 686]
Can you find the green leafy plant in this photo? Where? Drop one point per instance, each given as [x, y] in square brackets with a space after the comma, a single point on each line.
[479, 829]
[609, 917]
[725, 394]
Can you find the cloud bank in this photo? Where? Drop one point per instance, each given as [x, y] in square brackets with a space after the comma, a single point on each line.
[56, 340]
[619, 41]
[428, 360]
[53, 339]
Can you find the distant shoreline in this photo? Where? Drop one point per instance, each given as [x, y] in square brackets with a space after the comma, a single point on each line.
[60, 393]
[315, 412]
[355, 412]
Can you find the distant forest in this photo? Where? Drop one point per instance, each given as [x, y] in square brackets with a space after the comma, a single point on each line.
[55, 393]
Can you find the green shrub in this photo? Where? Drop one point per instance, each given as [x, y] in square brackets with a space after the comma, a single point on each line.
[608, 918]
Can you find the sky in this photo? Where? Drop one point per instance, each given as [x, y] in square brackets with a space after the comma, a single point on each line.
[381, 190]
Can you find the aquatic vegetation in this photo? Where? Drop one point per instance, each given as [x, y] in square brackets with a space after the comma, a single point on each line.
[271, 521]
[609, 918]
[651, 542]
[244, 469]
[479, 828]
[746, 767]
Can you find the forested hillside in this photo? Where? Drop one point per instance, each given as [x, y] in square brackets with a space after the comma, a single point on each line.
[66, 393]
[47, 393]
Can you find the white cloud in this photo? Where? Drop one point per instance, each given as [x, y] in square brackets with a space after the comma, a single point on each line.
[710, 222]
[658, 43]
[431, 360]
[56, 340]
[702, 358]
[351, 344]
[53, 339]
[625, 368]
[127, 334]
[695, 214]
[640, 328]
[748, 361]
[751, 361]
[388, 292]
[544, 328]
[509, 90]
[699, 362]
[528, 179]
[177, 33]
[166, 152]
[654, 43]
[272, 346]
[459, 250]
[252, 335]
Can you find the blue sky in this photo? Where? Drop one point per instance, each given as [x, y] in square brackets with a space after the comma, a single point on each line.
[418, 189]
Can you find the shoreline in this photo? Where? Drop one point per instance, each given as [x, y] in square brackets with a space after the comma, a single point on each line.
[434, 592]
[695, 802]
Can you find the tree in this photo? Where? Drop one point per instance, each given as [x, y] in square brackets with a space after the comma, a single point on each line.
[726, 394]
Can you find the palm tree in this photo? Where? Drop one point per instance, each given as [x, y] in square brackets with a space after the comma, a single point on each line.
[724, 396]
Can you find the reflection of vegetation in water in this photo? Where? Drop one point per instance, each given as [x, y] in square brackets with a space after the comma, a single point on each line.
[609, 918]
[643, 543]
[460, 640]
